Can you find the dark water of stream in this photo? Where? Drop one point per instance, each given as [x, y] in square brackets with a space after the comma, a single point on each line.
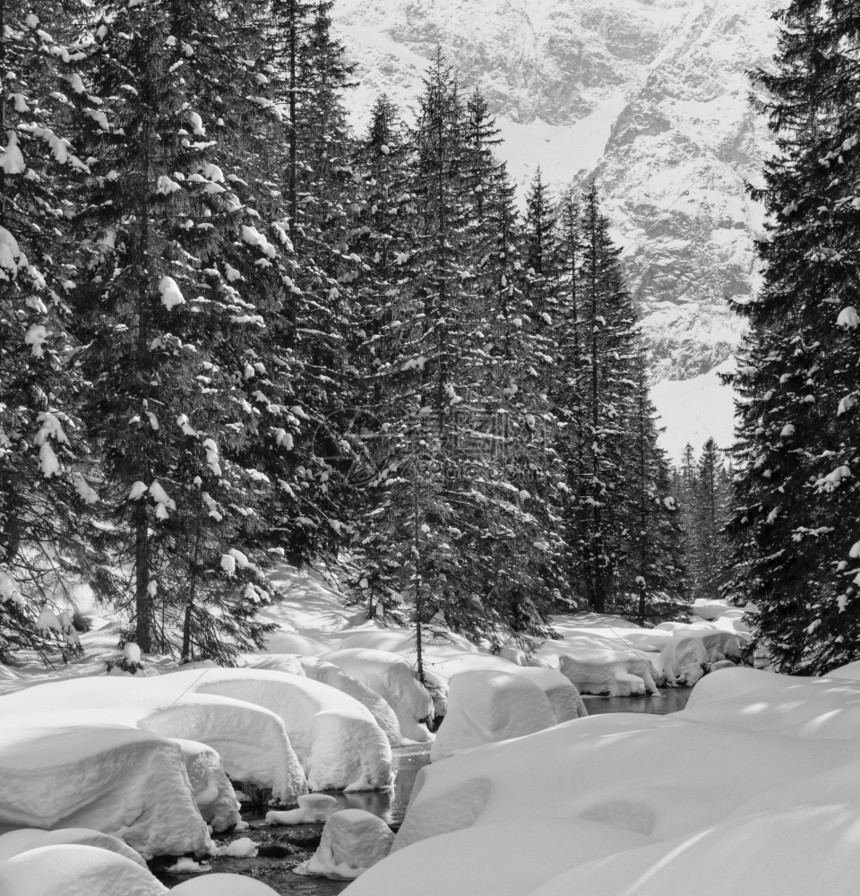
[282, 848]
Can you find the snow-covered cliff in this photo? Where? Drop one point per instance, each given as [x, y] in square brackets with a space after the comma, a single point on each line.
[651, 97]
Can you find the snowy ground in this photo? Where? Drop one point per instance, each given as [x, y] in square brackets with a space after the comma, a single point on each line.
[517, 800]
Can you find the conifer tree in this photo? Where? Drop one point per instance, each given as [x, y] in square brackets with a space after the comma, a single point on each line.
[175, 261]
[608, 354]
[796, 453]
[708, 543]
[43, 489]
[653, 573]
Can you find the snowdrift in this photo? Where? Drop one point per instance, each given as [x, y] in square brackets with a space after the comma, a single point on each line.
[755, 788]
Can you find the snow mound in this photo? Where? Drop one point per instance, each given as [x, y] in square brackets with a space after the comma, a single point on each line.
[352, 841]
[119, 780]
[392, 678]
[485, 707]
[278, 662]
[771, 853]
[693, 650]
[250, 740]
[294, 643]
[337, 740]
[562, 694]
[213, 793]
[243, 848]
[328, 673]
[592, 768]
[16, 842]
[475, 861]
[222, 885]
[313, 808]
[75, 870]
[601, 669]
[792, 706]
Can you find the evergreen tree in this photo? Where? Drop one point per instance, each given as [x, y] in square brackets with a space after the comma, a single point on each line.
[168, 239]
[709, 546]
[597, 521]
[798, 559]
[43, 490]
[653, 574]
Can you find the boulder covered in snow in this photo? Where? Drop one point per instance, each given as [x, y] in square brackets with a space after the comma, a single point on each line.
[15, 842]
[334, 676]
[335, 737]
[562, 694]
[485, 707]
[121, 781]
[222, 885]
[75, 870]
[313, 808]
[352, 841]
[390, 676]
[609, 671]
[250, 739]
[692, 650]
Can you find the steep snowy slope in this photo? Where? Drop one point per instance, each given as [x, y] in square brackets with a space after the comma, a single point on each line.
[674, 173]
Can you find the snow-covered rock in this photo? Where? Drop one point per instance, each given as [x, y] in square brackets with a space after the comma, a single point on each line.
[336, 739]
[328, 673]
[75, 870]
[392, 678]
[485, 707]
[352, 841]
[118, 780]
[15, 842]
[595, 668]
[694, 649]
[313, 808]
[243, 848]
[562, 694]
[222, 885]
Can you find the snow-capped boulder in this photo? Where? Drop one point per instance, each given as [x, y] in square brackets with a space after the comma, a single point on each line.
[352, 841]
[329, 674]
[75, 870]
[336, 739]
[15, 842]
[601, 669]
[694, 649]
[562, 694]
[313, 808]
[118, 780]
[390, 676]
[213, 793]
[485, 707]
[222, 885]
[250, 740]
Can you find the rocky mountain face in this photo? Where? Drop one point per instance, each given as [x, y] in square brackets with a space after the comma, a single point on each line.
[651, 97]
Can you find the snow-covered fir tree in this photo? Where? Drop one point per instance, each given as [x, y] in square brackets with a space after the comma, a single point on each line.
[175, 258]
[796, 492]
[45, 479]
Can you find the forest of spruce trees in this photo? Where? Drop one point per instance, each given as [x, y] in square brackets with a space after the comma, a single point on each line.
[233, 333]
